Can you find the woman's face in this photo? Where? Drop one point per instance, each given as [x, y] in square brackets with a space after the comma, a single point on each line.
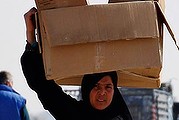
[102, 94]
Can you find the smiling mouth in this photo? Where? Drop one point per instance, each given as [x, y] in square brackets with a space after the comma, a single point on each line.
[101, 100]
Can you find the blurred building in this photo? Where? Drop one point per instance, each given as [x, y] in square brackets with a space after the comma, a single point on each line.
[148, 104]
[176, 111]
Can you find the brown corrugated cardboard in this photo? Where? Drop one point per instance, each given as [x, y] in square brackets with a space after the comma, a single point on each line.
[129, 42]
[161, 2]
[126, 79]
[103, 56]
[51, 4]
[97, 23]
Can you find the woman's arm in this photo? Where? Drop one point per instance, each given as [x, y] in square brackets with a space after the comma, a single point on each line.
[50, 94]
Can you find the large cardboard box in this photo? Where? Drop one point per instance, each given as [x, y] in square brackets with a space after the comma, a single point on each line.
[126, 37]
[52, 4]
[161, 2]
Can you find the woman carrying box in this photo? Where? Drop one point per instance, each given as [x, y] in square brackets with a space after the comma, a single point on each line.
[101, 99]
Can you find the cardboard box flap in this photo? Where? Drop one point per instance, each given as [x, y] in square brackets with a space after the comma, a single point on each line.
[147, 72]
[103, 56]
[114, 1]
[125, 79]
[51, 4]
[94, 23]
[162, 16]
[161, 2]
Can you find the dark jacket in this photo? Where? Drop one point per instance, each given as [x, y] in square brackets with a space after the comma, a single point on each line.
[51, 95]
[12, 104]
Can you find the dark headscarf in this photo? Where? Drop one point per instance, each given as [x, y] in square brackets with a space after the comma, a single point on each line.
[117, 106]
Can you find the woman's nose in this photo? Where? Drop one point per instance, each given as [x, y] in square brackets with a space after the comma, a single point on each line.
[102, 91]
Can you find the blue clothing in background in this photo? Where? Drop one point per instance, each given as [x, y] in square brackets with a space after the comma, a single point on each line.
[12, 104]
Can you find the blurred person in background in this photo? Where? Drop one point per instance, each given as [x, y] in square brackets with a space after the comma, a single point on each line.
[12, 104]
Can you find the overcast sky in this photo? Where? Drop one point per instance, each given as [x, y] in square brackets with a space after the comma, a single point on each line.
[12, 42]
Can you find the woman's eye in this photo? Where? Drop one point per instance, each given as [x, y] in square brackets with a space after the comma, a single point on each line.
[109, 87]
